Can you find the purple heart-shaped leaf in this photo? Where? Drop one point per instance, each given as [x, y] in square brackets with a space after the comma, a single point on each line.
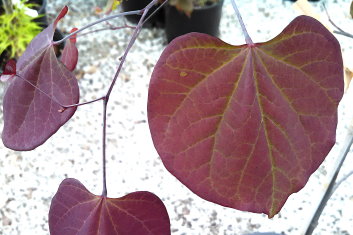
[76, 211]
[35, 94]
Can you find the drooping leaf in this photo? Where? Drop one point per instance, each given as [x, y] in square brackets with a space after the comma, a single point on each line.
[246, 126]
[31, 113]
[69, 56]
[75, 211]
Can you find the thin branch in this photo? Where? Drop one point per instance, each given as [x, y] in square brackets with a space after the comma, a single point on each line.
[342, 156]
[339, 30]
[131, 42]
[344, 178]
[105, 104]
[64, 107]
[137, 12]
[155, 11]
[110, 27]
[344, 33]
[245, 32]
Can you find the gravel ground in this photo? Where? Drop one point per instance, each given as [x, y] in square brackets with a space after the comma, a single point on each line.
[29, 179]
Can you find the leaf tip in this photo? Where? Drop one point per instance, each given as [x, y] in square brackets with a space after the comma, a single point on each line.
[62, 13]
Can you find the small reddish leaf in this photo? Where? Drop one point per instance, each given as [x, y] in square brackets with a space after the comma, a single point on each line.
[246, 126]
[75, 211]
[70, 53]
[10, 67]
[31, 114]
[73, 38]
[9, 70]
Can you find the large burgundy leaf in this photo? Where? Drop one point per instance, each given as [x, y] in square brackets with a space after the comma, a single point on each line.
[75, 211]
[246, 126]
[30, 116]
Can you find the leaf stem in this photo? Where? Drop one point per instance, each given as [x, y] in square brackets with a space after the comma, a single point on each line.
[111, 27]
[155, 11]
[338, 183]
[245, 32]
[64, 107]
[131, 42]
[339, 30]
[106, 98]
[137, 12]
[105, 103]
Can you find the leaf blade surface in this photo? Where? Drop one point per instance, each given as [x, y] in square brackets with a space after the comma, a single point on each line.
[245, 126]
[33, 97]
[74, 210]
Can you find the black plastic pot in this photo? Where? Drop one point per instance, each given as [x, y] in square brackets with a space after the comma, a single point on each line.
[157, 20]
[203, 19]
[2, 11]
